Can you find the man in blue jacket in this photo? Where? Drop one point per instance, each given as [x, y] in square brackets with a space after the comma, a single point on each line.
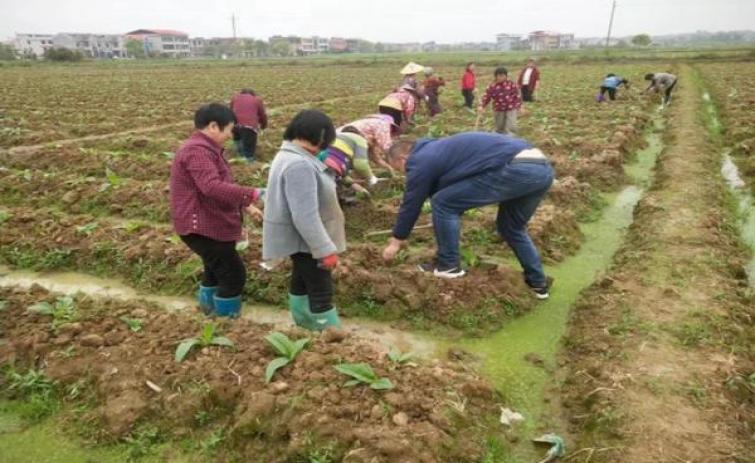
[463, 172]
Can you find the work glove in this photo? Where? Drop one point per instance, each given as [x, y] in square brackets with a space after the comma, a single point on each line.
[328, 262]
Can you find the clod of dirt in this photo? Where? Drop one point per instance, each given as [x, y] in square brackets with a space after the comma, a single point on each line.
[92, 340]
[120, 413]
[535, 359]
[70, 329]
[279, 386]
[139, 313]
[400, 419]
[114, 338]
[70, 197]
[259, 407]
[332, 335]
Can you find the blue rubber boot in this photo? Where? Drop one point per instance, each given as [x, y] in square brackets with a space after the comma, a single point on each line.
[327, 319]
[299, 308]
[204, 298]
[227, 306]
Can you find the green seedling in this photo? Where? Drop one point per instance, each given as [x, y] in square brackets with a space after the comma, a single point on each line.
[469, 258]
[39, 393]
[207, 339]
[134, 324]
[363, 374]
[396, 356]
[131, 227]
[288, 350]
[63, 310]
[113, 180]
[87, 229]
[4, 216]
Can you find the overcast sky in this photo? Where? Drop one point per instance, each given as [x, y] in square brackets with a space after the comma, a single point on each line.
[387, 20]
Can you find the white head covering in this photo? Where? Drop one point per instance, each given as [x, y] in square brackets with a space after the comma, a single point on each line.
[412, 68]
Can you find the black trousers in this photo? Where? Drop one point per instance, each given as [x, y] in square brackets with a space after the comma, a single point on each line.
[223, 266]
[307, 279]
[247, 140]
[468, 97]
[611, 92]
[527, 94]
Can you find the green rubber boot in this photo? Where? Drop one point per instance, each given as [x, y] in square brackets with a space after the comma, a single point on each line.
[327, 319]
[299, 308]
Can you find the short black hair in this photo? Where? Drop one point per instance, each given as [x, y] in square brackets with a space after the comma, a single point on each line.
[248, 91]
[213, 112]
[501, 71]
[649, 76]
[610, 74]
[313, 126]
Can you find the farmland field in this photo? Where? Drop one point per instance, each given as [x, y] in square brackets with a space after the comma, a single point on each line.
[85, 154]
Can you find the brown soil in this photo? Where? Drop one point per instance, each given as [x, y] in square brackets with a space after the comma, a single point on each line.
[660, 350]
[306, 406]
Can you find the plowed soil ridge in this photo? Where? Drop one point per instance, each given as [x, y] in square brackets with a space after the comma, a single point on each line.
[660, 351]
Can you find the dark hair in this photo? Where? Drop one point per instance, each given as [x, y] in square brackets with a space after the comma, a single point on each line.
[213, 112]
[399, 147]
[649, 76]
[248, 91]
[312, 126]
[610, 74]
[501, 71]
[351, 129]
[469, 64]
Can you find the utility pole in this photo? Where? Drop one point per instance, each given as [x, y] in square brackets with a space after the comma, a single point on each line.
[610, 24]
[233, 25]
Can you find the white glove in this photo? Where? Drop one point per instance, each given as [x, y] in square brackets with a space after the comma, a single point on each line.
[372, 181]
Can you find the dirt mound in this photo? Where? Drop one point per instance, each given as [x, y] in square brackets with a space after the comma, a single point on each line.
[154, 259]
[436, 412]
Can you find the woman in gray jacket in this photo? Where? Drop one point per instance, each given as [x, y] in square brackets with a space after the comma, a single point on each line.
[303, 220]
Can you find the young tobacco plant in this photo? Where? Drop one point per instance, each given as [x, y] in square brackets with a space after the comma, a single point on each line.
[207, 338]
[134, 324]
[288, 350]
[363, 374]
[398, 357]
[63, 310]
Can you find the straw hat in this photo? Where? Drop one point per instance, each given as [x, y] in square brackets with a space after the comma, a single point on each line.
[412, 68]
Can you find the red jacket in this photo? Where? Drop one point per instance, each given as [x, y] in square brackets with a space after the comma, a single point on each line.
[249, 110]
[203, 198]
[468, 81]
[534, 77]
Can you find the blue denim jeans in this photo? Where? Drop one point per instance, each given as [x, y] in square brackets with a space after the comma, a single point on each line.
[518, 189]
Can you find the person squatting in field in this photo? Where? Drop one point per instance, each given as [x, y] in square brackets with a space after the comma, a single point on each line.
[467, 171]
[610, 84]
[432, 85]
[303, 220]
[662, 82]
[504, 94]
[207, 207]
[250, 119]
[379, 130]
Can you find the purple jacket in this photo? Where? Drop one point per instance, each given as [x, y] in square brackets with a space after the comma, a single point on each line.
[203, 198]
